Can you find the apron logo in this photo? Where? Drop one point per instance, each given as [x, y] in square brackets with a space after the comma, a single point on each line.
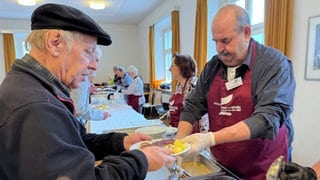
[172, 108]
[226, 110]
[171, 102]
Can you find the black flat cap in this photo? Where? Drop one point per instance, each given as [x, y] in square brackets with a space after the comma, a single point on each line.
[58, 16]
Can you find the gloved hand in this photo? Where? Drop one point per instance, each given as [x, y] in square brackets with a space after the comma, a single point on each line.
[291, 170]
[199, 141]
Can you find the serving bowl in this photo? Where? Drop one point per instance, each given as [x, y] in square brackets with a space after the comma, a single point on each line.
[156, 132]
[171, 132]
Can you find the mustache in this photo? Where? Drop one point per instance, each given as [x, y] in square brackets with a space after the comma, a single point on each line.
[224, 53]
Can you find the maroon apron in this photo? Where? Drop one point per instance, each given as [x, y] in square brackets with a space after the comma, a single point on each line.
[133, 101]
[175, 106]
[250, 159]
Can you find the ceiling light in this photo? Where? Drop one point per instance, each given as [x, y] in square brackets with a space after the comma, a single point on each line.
[27, 2]
[97, 5]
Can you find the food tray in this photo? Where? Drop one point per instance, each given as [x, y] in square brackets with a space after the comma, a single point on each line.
[200, 167]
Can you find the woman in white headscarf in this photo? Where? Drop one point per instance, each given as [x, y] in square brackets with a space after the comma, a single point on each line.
[135, 93]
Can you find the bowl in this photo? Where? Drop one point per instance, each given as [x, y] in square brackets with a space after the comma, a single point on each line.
[171, 132]
[156, 132]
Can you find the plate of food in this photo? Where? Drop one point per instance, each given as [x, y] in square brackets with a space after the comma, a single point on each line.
[177, 146]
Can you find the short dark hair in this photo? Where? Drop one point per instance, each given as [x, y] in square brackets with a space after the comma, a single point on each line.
[186, 64]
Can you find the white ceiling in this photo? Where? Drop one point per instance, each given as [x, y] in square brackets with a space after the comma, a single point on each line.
[119, 12]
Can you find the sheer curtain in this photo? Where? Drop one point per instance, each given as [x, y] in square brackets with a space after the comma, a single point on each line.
[175, 39]
[278, 24]
[9, 51]
[200, 46]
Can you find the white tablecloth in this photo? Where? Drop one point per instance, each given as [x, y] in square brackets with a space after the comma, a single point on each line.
[122, 117]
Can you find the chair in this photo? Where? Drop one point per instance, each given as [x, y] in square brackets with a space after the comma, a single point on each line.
[154, 100]
[146, 87]
[164, 108]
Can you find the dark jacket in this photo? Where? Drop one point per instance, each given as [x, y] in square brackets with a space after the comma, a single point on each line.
[41, 139]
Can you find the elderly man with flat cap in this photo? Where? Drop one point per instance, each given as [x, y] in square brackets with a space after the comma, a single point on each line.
[39, 136]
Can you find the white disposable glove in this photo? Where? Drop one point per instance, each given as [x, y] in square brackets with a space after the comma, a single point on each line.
[199, 141]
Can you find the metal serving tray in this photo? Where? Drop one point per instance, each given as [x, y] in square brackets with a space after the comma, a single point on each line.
[200, 167]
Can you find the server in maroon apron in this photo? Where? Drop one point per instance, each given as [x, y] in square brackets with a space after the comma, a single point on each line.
[249, 158]
[175, 106]
[247, 91]
[183, 69]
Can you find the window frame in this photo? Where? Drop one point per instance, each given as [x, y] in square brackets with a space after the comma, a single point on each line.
[167, 52]
[161, 52]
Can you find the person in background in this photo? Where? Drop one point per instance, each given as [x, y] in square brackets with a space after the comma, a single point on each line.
[248, 92]
[125, 77]
[40, 138]
[81, 97]
[183, 70]
[91, 76]
[115, 79]
[135, 93]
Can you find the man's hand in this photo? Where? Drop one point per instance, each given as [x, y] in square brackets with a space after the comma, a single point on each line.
[291, 170]
[106, 115]
[199, 141]
[133, 138]
[157, 157]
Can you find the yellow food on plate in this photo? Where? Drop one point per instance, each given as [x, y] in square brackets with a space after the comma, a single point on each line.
[102, 107]
[177, 147]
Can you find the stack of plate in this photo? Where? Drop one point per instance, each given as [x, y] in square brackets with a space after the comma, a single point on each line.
[156, 132]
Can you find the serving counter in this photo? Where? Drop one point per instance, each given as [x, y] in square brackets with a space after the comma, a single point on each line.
[125, 119]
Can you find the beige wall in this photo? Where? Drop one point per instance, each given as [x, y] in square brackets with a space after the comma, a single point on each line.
[307, 101]
[124, 50]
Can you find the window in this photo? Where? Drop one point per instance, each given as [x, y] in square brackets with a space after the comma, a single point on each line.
[19, 43]
[163, 46]
[167, 52]
[255, 9]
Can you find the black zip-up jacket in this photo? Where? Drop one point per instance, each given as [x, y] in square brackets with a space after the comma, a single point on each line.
[41, 139]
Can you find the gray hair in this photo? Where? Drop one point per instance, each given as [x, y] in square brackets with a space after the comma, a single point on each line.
[241, 15]
[133, 70]
[121, 69]
[98, 52]
[115, 67]
[243, 18]
[37, 38]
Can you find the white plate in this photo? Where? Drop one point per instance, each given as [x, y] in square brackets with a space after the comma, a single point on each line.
[109, 89]
[138, 144]
[184, 151]
[171, 132]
